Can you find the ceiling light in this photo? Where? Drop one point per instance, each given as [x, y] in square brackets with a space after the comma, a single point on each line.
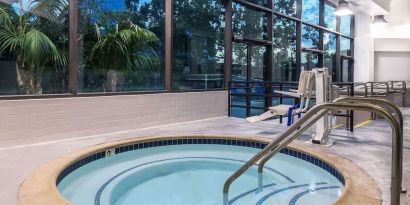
[343, 9]
[379, 19]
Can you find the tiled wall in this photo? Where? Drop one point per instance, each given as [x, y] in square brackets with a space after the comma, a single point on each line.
[83, 116]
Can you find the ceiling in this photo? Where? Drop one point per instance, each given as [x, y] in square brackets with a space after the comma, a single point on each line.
[371, 7]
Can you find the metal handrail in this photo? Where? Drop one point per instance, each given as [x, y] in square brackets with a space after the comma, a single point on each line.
[379, 101]
[396, 111]
[402, 86]
[377, 85]
[319, 111]
[380, 88]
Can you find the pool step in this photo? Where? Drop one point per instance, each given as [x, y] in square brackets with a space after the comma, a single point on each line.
[287, 194]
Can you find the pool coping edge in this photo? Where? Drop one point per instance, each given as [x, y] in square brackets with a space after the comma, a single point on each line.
[40, 188]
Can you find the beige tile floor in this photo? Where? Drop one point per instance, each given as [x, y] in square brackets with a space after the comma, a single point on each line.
[369, 147]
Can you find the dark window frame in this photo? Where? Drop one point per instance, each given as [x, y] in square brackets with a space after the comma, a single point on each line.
[269, 11]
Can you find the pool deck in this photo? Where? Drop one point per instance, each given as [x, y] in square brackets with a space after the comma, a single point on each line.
[369, 147]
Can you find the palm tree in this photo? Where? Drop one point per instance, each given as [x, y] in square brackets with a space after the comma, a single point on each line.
[123, 48]
[33, 49]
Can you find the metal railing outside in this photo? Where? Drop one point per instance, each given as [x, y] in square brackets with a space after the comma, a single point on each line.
[380, 89]
[308, 120]
[241, 94]
[349, 115]
[247, 91]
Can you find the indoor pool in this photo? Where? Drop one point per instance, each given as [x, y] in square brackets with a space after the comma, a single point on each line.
[178, 173]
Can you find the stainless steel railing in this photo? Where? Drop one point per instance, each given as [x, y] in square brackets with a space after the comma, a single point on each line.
[377, 89]
[308, 120]
[378, 101]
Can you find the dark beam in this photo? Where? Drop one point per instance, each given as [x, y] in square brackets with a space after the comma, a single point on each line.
[298, 40]
[73, 48]
[321, 32]
[338, 58]
[228, 42]
[168, 44]
[254, 6]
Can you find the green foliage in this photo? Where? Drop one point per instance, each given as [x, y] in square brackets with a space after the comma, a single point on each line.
[113, 41]
[50, 9]
[34, 50]
[125, 49]
[37, 49]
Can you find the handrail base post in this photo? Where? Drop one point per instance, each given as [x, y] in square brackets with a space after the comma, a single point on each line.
[260, 182]
[226, 200]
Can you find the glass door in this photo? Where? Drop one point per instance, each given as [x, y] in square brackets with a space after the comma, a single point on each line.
[258, 68]
[310, 60]
[249, 62]
[239, 62]
[346, 74]
[249, 70]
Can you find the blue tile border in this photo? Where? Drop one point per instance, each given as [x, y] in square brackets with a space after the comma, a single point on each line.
[220, 141]
[79, 164]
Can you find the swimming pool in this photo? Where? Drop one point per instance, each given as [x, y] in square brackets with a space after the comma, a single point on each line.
[192, 171]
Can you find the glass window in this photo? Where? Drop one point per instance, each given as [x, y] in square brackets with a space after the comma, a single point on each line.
[284, 50]
[239, 62]
[310, 37]
[256, 111]
[198, 47]
[345, 46]
[309, 60]
[346, 71]
[310, 11]
[345, 23]
[239, 100]
[40, 64]
[249, 23]
[238, 112]
[264, 3]
[257, 102]
[259, 63]
[287, 7]
[330, 17]
[121, 45]
[329, 59]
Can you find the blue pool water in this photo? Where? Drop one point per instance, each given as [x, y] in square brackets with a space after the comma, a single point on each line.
[194, 174]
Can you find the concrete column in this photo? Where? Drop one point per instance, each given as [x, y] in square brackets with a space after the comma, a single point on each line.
[363, 48]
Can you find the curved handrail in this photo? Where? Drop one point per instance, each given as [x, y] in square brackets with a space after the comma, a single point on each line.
[320, 110]
[379, 101]
[394, 108]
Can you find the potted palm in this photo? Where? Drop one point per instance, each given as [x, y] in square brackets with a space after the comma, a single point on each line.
[33, 50]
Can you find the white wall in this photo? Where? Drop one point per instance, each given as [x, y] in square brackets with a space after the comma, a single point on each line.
[399, 21]
[37, 120]
[392, 66]
[382, 51]
[392, 44]
[363, 48]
